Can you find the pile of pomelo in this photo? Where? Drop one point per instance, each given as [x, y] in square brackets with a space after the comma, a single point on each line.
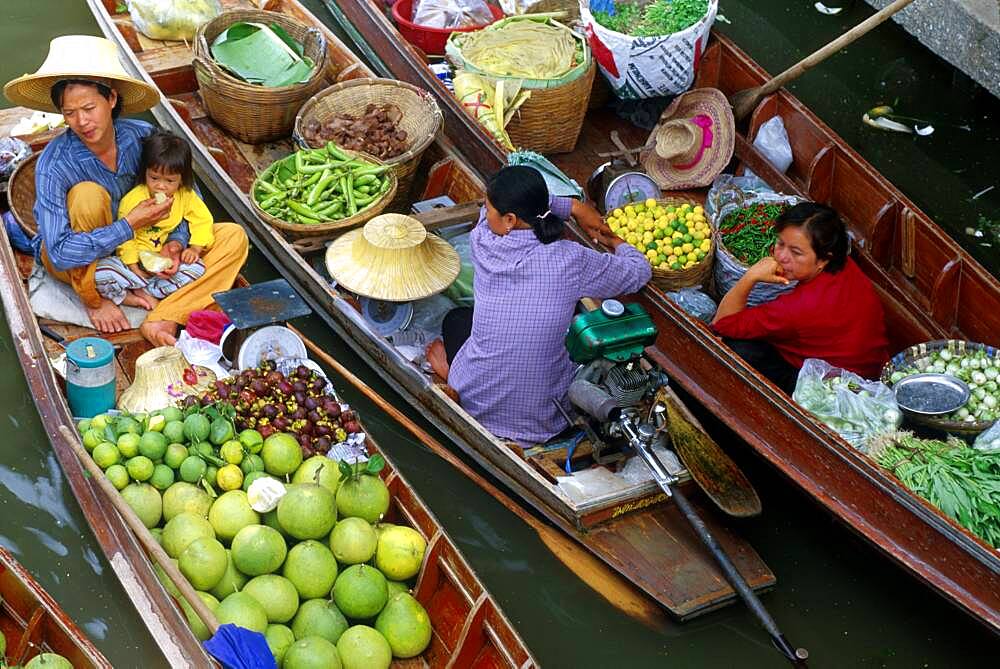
[290, 548]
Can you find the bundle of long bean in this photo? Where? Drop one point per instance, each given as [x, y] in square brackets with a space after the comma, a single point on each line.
[316, 185]
[748, 233]
[961, 481]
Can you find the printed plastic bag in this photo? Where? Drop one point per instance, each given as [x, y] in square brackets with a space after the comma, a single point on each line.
[172, 19]
[989, 441]
[772, 142]
[12, 152]
[647, 67]
[451, 13]
[855, 408]
[695, 302]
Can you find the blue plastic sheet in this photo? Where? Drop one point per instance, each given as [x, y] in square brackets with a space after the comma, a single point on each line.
[238, 648]
[555, 179]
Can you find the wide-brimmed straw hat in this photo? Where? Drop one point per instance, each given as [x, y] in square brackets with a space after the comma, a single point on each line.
[81, 57]
[392, 258]
[163, 377]
[693, 141]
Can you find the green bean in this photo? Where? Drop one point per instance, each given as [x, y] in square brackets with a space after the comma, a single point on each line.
[267, 188]
[301, 209]
[318, 189]
[334, 152]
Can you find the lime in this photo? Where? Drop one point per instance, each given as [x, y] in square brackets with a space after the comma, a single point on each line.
[312, 652]
[202, 448]
[405, 625]
[307, 511]
[311, 568]
[183, 496]
[203, 563]
[281, 454]
[253, 476]
[276, 594]
[175, 455]
[49, 661]
[118, 476]
[140, 468]
[396, 587]
[126, 424]
[196, 428]
[194, 620]
[253, 463]
[400, 552]
[258, 549]
[221, 431]
[279, 638]
[211, 473]
[91, 438]
[319, 469]
[319, 617]
[163, 477]
[232, 452]
[363, 497]
[156, 422]
[153, 445]
[243, 610]
[252, 441]
[192, 469]
[182, 529]
[100, 421]
[352, 540]
[229, 477]
[362, 647]
[174, 431]
[360, 592]
[232, 581]
[128, 445]
[230, 513]
[83, 425]
[106, 454]
[145, 501]
[172, 415]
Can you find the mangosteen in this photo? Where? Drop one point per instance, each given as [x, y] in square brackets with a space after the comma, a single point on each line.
[299, 413]
[299, 387]
[332, 409]
[310, 403]
[318, 385]
[314, 416]
[269, 410]
[322, 445]
[302, 371]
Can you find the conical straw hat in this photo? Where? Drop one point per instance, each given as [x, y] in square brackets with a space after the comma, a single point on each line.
[162, 378]
[392, 258]
[81, 57]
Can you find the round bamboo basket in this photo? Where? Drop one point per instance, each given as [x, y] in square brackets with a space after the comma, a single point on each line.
[331, 229]
[918, 356]
[550, 120]
[254, 113]
[422, 119]
[21, 194]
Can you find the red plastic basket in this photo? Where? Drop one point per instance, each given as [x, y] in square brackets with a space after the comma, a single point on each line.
[429, 40]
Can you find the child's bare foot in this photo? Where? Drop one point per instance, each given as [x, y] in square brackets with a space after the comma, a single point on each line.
[140, 298]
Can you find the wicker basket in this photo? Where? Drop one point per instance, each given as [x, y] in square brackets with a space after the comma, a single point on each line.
[21, 194]
[333, 228]
[919, 356]
[253, 113]
[422, 119]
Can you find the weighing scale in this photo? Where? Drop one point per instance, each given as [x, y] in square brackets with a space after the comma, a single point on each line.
[386, 318]
[610, 187]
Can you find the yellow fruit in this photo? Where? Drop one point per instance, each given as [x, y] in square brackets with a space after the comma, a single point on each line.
[699, 209]
[650, 203]
[692, 257]
[647, 237]
[660, 259]
[676, 234]
[706, 246]
[229, 477]
[697, 234]
[678, 251]
[687, 247]
[618, 213]
[671, 259]
[629, 210]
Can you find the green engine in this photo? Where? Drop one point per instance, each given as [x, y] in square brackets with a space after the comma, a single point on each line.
[616, 332]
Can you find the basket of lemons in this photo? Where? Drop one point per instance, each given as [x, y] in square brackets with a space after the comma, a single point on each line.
[674, 235]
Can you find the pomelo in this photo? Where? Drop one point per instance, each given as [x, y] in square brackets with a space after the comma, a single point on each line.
[174, 431]
[279, 638]
[311, 568]
[106, 454]
[258, 549]
[140, 468]
[118, 476]
[319, 469]
[250, 477]
[271, 520]
[230, 513]
[396, 587]
[363, 497]
[319, 617]
[281, 454]
[82, 425]
[220, 431]
[50, 661]
[166, 581]
[162, 478]
[312, 652]
[128, 445]
[232, 581]
[153, 445]
[405, 625]
[172, 414]
[184, 528]
[400, 552]
[192, 469]
[194, 620]
[360, 592]
[353, 541]
[175, 455]
[183, 496]
[157, 533]
[196, 428]
[145, 501]
[362, 647]
[307, 511]
[251, 440]
[241, 609]
[276, 594]
[203, 563]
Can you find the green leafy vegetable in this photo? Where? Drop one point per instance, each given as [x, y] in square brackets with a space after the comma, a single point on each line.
[660, 17]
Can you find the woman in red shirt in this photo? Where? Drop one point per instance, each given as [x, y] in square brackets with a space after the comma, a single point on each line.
[833, 313]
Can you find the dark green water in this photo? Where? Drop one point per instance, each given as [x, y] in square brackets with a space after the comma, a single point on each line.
[835, 596]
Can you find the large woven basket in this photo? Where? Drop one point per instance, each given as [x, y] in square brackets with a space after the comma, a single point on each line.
[919, 356]
[422, 119]
[331, 229]
[254, 113]
[21, 194]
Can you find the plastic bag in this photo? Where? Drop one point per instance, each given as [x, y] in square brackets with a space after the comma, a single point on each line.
[172, 19]
[12, 152]
[451, 13]
[460, 291]
[772, 142]
[695, 302]
[853, 407]
[989, 441]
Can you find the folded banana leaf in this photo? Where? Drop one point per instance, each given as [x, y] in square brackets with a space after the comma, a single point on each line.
[262, 54]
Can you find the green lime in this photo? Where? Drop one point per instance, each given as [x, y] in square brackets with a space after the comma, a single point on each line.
[140, 468]
[162, 478]
[251, 440]
[91, 438]
[174, 431]
[175, 455]
[211, 474]
[197, 427]
[252, 463]
[192, 469]
[106, 454]
[118, 476]
[202, 448]
[221, 431]
[83, 425]
[153, 445]
[172, 414]
[232, 452]
[128, 445]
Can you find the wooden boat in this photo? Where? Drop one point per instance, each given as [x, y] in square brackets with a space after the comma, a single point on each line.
[652, 547]
[930, 287]
[33, 623]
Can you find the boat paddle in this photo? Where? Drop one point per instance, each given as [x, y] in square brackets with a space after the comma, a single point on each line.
[596, 574]
[234, 647]
[746, 101]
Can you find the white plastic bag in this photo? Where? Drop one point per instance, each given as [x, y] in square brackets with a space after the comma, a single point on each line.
[451, 13]
[695, 302]
[772, 142]
[172, 19]
[989, 441]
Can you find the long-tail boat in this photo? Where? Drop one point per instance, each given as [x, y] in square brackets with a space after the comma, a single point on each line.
[930, 288]
[652, 546]
[32, 622]
[469, 627]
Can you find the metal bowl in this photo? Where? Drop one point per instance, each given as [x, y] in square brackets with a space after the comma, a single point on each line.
[931, 394]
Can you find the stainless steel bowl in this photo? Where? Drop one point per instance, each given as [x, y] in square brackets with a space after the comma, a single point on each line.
[931, 394]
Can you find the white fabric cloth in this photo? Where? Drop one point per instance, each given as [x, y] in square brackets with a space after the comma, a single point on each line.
[53, 299]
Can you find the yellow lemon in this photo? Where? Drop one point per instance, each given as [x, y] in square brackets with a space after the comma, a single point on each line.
[678, 251]
[676, 234]
[229, 477]
[631, 239]
[692, 257]
[648, 226]
[671, 259]
[699, 209]
[629, 210]
[650, 203]
[698, 235]
[706, 246]
[687, 247]
[618, 213]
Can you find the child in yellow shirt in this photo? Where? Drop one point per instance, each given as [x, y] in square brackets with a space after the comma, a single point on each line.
[132, 277]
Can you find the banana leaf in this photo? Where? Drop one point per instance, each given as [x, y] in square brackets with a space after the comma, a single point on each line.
[261, 54]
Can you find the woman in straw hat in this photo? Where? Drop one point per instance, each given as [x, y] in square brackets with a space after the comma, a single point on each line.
[507, 357]
[82, 175]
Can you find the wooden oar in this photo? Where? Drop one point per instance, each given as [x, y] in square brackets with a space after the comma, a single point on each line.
[602, 579]
[745, 101]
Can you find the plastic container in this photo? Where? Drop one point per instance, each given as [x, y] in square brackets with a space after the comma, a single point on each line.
[90, 376]
[429, 40]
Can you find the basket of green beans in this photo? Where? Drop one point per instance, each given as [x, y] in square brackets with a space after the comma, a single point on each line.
[322, 193]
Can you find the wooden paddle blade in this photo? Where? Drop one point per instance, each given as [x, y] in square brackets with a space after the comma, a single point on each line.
[710, 467]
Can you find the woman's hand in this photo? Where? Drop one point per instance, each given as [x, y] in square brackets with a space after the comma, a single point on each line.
[147, 212]
[592, 223]
[766, 270]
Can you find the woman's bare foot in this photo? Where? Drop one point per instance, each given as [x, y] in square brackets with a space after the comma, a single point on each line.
[437, 358]
[108, 318]
[140, 298]
[159, 333]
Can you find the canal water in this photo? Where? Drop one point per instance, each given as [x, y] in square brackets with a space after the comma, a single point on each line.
[836, 596]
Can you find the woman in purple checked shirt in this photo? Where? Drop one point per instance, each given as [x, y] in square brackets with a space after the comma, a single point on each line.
[505, 357]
